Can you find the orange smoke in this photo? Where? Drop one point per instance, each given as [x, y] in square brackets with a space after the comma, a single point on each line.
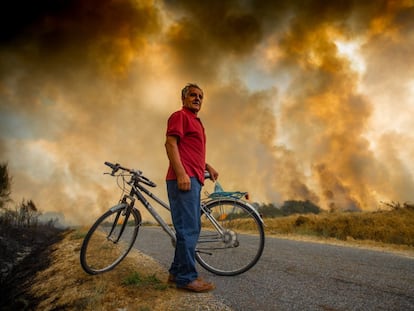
[288, 114]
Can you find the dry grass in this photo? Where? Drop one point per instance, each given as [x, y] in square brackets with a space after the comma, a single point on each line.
[392, 227]
[138, 283]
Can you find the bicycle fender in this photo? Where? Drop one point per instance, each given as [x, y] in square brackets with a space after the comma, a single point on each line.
[118, 207]
[255, 211]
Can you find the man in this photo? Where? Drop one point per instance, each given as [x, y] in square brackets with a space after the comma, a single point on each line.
[186, 149]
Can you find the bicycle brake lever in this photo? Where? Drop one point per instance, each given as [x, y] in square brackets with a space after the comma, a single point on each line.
[115, 168]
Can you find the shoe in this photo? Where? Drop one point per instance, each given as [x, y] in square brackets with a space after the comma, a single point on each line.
[198, 286]
[171, 279]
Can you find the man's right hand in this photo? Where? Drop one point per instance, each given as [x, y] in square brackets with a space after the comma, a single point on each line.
[184, 182]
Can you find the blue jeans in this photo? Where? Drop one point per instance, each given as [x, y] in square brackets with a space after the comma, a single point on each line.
[185, 212]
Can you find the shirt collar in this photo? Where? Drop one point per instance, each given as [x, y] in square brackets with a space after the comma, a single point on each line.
[189, 112]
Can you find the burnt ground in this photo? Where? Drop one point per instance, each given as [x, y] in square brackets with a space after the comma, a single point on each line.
[23, 252]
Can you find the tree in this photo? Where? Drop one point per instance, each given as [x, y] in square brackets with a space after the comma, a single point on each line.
[299, 207]
[28, 214]
[269, 210]
[5, 185]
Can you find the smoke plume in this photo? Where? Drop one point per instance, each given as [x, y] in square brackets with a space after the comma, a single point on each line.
[305, 101]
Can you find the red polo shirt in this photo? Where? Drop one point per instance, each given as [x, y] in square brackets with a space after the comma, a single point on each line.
[185, 125]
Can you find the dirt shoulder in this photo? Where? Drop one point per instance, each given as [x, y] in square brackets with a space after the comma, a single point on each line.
[51, 278]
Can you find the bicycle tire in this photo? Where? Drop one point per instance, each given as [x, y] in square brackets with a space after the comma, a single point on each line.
[241, 245]
[101, 252]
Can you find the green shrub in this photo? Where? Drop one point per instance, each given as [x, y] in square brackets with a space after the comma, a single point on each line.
[144, 281]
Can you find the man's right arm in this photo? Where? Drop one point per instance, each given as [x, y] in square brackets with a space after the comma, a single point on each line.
[171, 146]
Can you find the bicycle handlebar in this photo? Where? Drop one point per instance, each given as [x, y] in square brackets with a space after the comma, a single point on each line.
[116, 167]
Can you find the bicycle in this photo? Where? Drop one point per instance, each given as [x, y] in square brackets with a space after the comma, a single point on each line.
[231, 239]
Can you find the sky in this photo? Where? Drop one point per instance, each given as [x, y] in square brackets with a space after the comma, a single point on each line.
[304, 100]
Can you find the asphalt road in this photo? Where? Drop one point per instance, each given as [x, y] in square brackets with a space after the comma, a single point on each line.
[296, 275]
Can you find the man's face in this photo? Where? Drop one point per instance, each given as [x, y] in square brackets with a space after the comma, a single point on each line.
[193, 99]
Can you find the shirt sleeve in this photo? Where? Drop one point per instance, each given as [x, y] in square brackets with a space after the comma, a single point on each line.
[175, 126]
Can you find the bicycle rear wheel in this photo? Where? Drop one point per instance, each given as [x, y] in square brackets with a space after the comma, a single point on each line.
[233, 241]
[110, 239]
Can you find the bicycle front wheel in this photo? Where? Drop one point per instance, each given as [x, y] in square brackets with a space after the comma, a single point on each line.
[110, 239]
[231, 239]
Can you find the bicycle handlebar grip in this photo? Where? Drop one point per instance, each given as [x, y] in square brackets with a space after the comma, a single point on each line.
[109, 164]
[115, 167]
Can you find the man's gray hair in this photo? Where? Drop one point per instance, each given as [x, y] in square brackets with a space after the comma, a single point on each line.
[186, 89]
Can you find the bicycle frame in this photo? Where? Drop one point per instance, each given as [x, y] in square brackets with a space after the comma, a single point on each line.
[137, 191]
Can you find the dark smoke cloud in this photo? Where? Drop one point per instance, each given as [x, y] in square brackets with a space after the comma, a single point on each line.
[287, 115]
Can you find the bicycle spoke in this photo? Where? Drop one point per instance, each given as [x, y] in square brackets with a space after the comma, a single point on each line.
[238, 244]
[109, 241]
